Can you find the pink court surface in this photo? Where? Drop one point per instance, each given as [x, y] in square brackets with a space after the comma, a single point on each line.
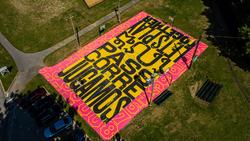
[99, 79]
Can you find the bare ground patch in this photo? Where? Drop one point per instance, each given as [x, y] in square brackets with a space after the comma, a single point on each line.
[173, 126]
[157, 3]
[41, 11]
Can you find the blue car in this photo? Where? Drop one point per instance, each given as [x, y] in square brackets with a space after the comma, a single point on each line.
[58, 127]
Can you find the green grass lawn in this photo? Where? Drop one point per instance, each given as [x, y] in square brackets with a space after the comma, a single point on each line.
[6, 60]
[180, 117]
[36, 25]
[65, 51]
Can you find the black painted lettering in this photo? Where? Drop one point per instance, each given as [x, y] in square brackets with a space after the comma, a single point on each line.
[83, 79]
[77, 72]
[117, 57]
[158, 43]
[149, 38]
[108, 47]
[124, 79]
[131, 66]
[79, 65]
[132, 89]
[122, 103]
[112, 71]
[101, 63]
[116, 93]
[93, 56]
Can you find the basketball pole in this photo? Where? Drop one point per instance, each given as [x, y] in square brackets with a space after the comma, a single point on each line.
[181, 55]
[153, 75]
[195, 50]
[137, 78]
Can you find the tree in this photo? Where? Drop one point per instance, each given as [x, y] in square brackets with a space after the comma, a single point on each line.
[245, 33]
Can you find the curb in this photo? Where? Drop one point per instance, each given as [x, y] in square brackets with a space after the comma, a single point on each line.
[1, 87]
[11, 84]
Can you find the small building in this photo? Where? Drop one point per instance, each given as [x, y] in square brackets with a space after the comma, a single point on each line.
[91, 3]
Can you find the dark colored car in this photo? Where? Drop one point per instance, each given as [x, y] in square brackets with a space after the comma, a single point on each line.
[58, 127]
[54, 109]
[42, 101]
[79, 136]
[40, 105]
[48, 117]
[34, 96]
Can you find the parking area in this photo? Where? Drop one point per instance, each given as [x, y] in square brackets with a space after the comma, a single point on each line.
[42, 107]
[53, 123]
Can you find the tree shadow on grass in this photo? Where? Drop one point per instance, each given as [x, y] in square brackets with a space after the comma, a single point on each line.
[224, 21]
[15, 123]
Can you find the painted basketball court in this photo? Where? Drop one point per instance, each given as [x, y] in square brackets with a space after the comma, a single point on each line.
[99, 79]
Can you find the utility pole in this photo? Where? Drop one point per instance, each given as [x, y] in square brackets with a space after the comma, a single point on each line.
[77, 36]
[75, 30]
[118, 11]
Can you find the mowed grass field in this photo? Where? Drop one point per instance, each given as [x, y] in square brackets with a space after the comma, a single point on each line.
[6, 60]
[180, 117]
[33, 26]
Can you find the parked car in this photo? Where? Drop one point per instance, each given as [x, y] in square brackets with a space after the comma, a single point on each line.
[36, 111]
[58, 127]
[49, 114]
[54, 109]
[37, 97]
[42, 101]
[39, 105]
[49, 117]
[34, 96]
[79, 135]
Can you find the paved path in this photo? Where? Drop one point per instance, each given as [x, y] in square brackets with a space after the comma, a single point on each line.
[28, 64]
[2, 107]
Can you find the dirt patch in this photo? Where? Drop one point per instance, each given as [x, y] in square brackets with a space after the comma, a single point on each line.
[41, 11]
[192, 118]
[155, 114]
[157, 3]
[201, 119]
[194, 88]
[201, 23]
[173, 126]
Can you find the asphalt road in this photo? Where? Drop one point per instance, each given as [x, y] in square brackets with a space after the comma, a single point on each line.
[19, 126]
